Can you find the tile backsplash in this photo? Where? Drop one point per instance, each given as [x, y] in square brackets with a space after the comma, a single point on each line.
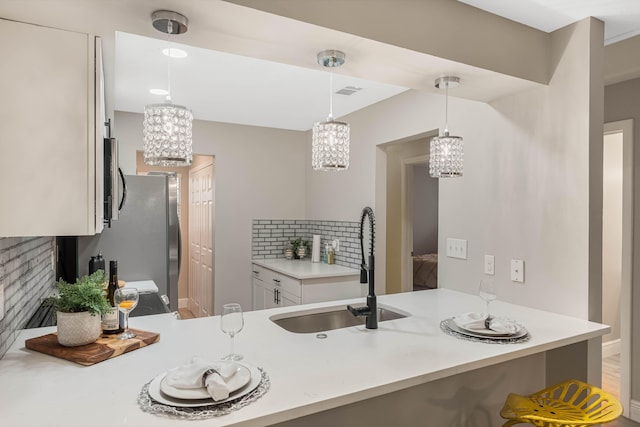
[27, 277]
[270, 238]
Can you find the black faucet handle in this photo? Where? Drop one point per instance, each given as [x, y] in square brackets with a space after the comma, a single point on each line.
[359, 311]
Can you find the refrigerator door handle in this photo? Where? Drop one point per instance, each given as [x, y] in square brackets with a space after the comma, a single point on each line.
[124, 190]
[179, 249]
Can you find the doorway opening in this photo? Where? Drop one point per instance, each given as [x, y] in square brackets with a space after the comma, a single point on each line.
[617, 239]
[410, 207]
[196, 197]
[420, 201]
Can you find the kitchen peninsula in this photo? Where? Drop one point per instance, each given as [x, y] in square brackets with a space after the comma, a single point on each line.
[405, 372]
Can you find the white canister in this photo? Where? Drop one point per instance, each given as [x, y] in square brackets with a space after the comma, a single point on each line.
[315, 249]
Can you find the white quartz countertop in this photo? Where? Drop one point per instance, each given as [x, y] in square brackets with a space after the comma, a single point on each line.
[300, 269]
[307, 374]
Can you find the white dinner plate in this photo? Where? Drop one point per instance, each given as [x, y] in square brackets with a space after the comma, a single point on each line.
[454, 327]
[489, 332]
[157, 395]
[236, 382]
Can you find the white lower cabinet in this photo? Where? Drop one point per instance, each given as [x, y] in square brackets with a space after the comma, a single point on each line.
[273, 289]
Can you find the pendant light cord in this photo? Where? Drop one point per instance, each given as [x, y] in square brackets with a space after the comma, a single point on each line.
[446, 108]
[169, 31]
[330, 96]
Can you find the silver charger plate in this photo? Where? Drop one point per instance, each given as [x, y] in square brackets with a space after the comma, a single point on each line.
[150, 406]
[449, 327]
[156, 393]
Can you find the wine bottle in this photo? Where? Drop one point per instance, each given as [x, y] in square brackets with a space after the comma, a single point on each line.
[110, 320]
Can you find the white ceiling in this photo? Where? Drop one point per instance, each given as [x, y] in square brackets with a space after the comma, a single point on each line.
[230, 88]
[621, 17]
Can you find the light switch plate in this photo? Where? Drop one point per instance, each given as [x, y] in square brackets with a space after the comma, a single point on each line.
[489, 265]
[457, 248]
[517, 270]
[1, 302]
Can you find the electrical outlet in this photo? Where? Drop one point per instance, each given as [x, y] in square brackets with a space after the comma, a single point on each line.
[517, 270]
[457, 248]
[1, 301]
[489, 265]
[336, 245]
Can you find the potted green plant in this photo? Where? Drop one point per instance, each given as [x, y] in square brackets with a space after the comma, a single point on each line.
[294, 246]
[79, 308]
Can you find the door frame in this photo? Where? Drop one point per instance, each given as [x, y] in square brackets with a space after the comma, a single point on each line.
[406, 209]
[626, 128]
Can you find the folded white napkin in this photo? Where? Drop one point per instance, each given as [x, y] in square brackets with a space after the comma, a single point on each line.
[190, 376]
[475, 322]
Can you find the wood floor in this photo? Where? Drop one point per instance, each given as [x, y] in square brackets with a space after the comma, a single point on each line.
[185, 314]
[611, 375]
[611, 384]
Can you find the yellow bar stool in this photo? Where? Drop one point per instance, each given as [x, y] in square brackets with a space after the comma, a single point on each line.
[569, 404]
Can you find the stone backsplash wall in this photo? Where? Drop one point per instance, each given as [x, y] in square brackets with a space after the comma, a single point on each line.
[27, 277]
[270, 238]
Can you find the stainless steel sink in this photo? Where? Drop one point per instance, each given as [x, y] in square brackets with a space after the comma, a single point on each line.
[329, 318]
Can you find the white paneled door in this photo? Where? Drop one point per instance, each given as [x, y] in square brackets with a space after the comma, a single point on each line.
[201, 237]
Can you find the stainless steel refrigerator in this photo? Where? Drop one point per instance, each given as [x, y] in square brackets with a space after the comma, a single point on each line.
[146, 237]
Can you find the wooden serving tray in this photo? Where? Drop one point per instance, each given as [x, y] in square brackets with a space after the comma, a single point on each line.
[106, 347]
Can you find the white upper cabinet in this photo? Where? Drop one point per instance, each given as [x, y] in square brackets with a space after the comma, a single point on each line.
[50, 147]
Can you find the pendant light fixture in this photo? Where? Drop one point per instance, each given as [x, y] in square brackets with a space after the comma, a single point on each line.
[168, 127]
[330, 145]
[447, 152]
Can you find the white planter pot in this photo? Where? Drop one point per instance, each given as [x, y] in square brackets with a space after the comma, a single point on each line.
[76, 329]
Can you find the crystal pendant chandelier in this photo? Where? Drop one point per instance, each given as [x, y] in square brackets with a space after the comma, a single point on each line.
[168, 127]
[447, 152]
[330, 144]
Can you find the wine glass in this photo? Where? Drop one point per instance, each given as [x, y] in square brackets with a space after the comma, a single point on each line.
[231, 323]
[487, 292]
[126, 300]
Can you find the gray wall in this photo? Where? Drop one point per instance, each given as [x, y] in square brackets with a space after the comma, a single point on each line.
[425, 211]
[621, 102]
[27, 276]
[526, 190]
[260, 173]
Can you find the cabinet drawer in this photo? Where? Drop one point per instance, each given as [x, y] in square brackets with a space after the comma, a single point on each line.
[287, 284]
[258, 273]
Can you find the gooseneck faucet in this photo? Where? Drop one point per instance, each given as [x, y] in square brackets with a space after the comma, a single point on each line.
[367, 274]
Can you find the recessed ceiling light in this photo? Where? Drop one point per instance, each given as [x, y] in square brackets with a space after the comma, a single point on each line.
[174, 52]
[158, 91]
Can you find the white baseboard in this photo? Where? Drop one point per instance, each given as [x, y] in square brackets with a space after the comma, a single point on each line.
[183, 302]
[610, 348]
[634, 410]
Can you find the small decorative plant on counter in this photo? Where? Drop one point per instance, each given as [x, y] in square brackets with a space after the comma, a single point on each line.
[300, 247]
[288, 251]
[79, 308]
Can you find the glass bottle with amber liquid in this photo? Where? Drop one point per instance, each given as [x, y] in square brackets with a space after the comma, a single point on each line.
[111, 319]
